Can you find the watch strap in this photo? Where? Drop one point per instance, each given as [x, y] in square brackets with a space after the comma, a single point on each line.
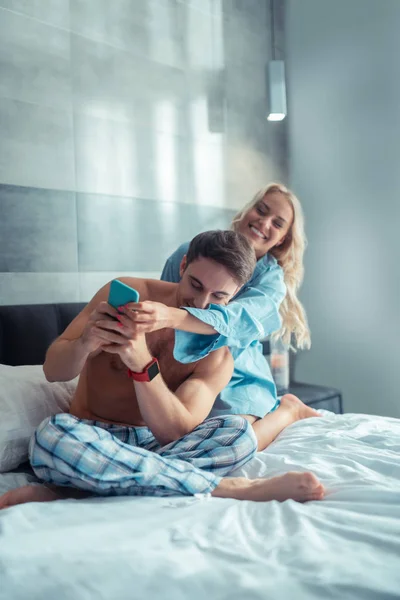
[150, 371]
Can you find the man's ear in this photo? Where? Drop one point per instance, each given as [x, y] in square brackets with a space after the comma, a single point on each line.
[182, 266]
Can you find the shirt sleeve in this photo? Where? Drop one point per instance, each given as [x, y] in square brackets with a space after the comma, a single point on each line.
[251, 315]
[170, 271]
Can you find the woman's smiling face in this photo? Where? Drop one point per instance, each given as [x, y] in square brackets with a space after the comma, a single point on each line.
[266, 224]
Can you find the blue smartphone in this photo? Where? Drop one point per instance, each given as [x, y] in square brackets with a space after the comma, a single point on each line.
[121, 294]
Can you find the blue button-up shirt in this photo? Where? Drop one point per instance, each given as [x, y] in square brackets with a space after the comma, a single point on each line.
[252, 315]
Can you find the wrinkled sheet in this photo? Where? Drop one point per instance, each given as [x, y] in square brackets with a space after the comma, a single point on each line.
[347, 546]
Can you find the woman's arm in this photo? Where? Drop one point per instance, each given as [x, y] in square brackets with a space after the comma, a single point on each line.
[253, 314]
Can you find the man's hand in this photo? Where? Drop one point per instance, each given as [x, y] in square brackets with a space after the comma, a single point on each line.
[151, 316]
[101, 321]
[121, 337]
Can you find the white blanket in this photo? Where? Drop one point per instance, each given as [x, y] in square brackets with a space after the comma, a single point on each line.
[347, 546]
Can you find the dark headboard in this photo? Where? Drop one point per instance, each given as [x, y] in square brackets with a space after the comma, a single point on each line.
[26, 331]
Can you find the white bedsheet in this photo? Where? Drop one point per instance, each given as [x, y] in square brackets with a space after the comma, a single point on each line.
[347, 546]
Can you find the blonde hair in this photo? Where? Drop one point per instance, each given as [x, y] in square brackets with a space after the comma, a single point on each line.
[289, 255]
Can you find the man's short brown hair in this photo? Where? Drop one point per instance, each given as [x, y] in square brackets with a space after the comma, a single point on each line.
[228, 248]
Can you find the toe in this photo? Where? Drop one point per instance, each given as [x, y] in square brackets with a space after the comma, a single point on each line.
[314, 495]
[319, 495]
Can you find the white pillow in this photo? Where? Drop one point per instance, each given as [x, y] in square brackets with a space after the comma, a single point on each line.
[26, 399]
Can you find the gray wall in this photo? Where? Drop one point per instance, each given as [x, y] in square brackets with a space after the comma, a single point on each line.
[127, 126]
[344, 151]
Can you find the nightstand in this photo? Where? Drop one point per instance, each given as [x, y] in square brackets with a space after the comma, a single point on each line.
[318, 396]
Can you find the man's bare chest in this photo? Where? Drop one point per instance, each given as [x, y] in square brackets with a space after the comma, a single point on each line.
[161, 346]
[112, 371]
[106, 392]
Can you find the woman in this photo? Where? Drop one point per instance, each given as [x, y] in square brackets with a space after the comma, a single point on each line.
[273, 223]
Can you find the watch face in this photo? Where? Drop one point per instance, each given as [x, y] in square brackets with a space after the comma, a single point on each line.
[153, 370]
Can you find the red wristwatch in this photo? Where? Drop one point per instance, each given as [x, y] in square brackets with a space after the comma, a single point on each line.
[149, 372]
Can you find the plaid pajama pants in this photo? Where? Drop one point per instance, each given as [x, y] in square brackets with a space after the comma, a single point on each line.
[111, 460]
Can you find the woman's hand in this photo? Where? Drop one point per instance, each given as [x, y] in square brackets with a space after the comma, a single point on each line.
[149, 316]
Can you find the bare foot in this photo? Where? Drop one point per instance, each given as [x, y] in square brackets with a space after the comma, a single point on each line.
[28, 493]
[301, 487]
[297, 408]
[290, 410]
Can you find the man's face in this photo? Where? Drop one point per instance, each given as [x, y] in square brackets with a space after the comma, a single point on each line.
[205, 282]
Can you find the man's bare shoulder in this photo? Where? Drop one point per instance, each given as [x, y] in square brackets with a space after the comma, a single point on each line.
[220, 360]
[137, 283]
[133, 282]
[214, 371]
[151, 289]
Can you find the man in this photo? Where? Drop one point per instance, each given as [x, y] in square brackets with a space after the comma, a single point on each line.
[137, 421]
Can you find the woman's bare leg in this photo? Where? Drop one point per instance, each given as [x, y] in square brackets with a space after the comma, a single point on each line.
[291, 409]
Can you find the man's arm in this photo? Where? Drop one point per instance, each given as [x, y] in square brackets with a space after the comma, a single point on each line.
[67, 355]
[169, 415]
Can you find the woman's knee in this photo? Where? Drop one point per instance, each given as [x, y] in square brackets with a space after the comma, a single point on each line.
[241, 428]
[247, 433]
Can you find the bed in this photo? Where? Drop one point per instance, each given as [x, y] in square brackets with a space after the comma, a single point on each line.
[347, 546]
